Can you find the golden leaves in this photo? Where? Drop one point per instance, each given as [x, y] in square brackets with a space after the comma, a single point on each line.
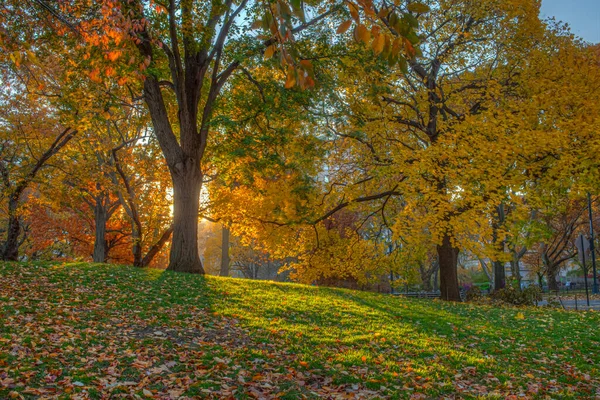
[94, 75]
[418, 8]
[270, 51]
[354, 12]
[344, 27]
[290, 80]
[362, 34]
[378, 44]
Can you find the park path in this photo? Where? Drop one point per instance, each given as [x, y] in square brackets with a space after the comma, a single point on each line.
[580, 304]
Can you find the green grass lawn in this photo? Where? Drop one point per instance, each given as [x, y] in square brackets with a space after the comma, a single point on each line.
[99, 331]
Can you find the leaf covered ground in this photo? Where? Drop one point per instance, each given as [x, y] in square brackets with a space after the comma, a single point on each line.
[99, 331]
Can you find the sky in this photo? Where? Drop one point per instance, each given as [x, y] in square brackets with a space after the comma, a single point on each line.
[583, 16]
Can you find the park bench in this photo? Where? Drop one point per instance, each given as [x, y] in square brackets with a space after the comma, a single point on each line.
[426, 295]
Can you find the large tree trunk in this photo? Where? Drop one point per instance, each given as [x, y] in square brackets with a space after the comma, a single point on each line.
[10, 250]
[499, 275]
[187, 182]
[225, 252]
[499, 270]
[551, 272]
[100, 218]
[448, 260]
[552, 282]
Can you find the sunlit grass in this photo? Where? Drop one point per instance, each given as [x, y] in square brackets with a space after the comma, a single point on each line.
[87, 320]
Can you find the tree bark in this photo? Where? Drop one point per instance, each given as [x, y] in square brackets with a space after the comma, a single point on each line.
[448, 260]
[552, 282]
[499, 270]
[499, 275]
[100, 219]
[187, 182]
[10, 251]
[225, 252]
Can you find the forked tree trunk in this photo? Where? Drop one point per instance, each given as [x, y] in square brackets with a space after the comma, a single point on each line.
[100, 218]
[427, 272]
[448, 259]
[187, 182]
[10, 250]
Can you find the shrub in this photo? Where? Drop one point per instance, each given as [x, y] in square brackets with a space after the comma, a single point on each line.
[512, 295]
[473, 294]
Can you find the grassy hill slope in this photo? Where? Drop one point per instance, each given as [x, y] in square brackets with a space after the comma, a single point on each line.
[100, 331]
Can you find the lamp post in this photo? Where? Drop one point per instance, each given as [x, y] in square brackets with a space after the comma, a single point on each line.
[592, 248]
[581, 249]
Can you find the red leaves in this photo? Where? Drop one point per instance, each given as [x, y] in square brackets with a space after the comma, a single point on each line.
[113, 55]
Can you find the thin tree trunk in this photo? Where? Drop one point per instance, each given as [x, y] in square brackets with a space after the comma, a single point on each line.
[10, 248]
[10, 251]
[100, 219]
[157, 247]
[540, 280]
[187, 182]
[516, 271]
[448, 259]
[485, 270]
[130, 207]
[136, 237]
[225, 252]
